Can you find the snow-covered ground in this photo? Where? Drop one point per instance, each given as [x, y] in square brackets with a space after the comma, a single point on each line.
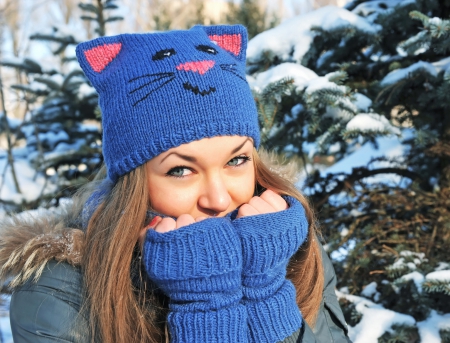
[376, 320]
[5, 328]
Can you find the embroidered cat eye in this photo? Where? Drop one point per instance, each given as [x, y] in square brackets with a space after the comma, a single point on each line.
[162, 54]
[207, 49]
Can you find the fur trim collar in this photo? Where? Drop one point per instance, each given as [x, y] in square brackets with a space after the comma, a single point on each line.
[27, 243]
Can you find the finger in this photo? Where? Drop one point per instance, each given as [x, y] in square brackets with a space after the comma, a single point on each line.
[261, 205]
[275, 200]
[199, 219]
[185, 219]
[246, 210]
[166, 225]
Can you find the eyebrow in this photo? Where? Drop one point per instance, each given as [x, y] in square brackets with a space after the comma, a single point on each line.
[193, 159]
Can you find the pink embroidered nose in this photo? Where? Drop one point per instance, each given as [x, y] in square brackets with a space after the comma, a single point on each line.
[200, 67]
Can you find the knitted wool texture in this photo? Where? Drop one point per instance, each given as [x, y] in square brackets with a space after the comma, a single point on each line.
[199, 268]
[160, 90]
[268, 242]
[226, 279]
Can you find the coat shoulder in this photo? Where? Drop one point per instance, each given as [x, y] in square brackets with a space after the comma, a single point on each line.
[49, 309]
[330, 324]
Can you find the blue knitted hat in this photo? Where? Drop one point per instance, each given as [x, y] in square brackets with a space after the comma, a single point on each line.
[160, 90]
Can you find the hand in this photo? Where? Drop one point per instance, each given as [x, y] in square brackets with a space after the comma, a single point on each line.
[270, 232]
[167, 224]
[198, 267]
[268, 202]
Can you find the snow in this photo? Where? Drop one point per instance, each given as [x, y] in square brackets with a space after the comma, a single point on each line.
[342, 252]
[51, 138]
[344, 232]
[31, 184]
[416, 277]
[85, 90]
[442, 266]
[371, 122]
[300, 74]
[37, 86]
[403, 73]
[58, 78]
[12, 122]
[375, 319]
[387, 146]
[321, 83]
[5, 327]
[362, 102]
[435, 21]
[380, 6]
[323, 58]
[65, 148]
[442, 65]
[291, 40]
[429, 328]
[369, 290]
[440, 275]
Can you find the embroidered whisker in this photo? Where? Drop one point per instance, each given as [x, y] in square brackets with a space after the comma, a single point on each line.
[150, 82]
[167, 74]
[153, 90]
[229, 68]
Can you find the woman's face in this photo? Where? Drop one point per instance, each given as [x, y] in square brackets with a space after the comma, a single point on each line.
[211, 176]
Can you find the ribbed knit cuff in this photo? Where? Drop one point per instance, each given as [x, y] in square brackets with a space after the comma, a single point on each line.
[273, 319]
[200, 258]
[199, 268]
[269, 240]
[228, 325]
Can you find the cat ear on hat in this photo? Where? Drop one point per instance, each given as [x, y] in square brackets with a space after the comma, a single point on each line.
[232, 38]
[97, 55]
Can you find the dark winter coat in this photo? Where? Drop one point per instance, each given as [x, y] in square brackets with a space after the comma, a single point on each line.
[48, 310]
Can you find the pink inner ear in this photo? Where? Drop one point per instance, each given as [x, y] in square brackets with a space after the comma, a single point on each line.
[231, 43]
[100, 56]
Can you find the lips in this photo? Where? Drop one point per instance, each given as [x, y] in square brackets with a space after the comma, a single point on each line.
[197, 91]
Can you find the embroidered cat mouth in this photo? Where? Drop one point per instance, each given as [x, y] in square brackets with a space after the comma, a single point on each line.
[197, 91]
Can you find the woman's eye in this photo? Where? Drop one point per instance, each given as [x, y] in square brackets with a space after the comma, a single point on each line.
[179, 172]
[238, 160]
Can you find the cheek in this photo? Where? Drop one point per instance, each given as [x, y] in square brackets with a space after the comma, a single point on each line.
[167, 199]
[243, 188]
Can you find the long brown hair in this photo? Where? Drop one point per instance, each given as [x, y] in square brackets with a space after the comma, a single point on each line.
[121, 312]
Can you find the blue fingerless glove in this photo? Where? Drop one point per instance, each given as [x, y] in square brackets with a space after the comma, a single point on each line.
[268, 242]
[199, 268]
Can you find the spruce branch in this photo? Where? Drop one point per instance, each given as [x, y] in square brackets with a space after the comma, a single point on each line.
[8, 138]
[359, 174]
[89, 8]
[436, 286]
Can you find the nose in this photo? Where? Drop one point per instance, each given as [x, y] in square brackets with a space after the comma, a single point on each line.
[215, 197]
[200, 67]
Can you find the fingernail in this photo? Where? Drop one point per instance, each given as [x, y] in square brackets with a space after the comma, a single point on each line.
[154, 221]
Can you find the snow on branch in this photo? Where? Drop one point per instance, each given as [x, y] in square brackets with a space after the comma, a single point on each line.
[291, 40]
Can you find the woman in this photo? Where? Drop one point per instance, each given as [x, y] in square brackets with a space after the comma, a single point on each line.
[189, 237]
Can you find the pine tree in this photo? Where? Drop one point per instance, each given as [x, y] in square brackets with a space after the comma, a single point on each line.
[394, 57]
[62, 126]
